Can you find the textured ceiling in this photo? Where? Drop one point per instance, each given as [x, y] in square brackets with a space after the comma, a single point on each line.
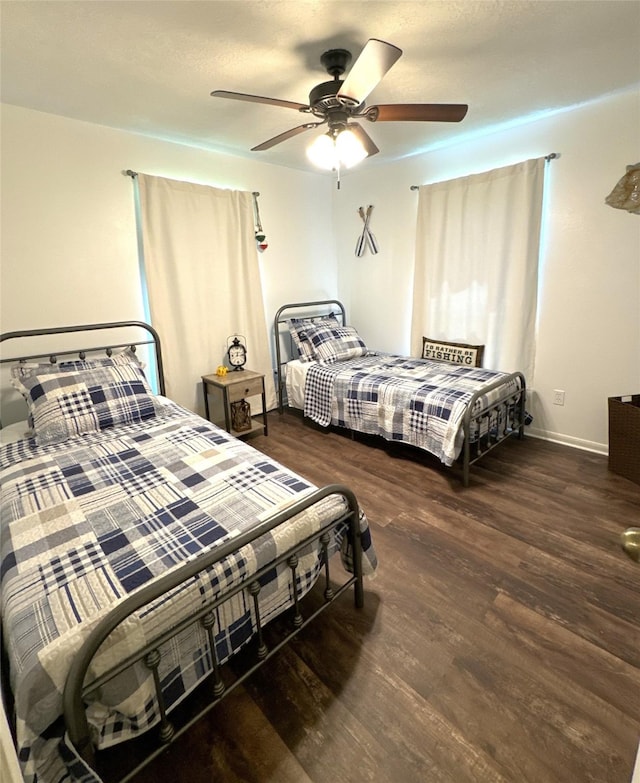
[149, 66]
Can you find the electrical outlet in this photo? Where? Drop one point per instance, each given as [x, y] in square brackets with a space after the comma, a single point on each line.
[558, 397]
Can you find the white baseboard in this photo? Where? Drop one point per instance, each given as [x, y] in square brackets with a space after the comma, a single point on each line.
[568, 440]
[635, 776]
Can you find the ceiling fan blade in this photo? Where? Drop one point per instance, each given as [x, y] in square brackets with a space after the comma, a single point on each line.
[241, 96]
[417, 112]
[284, 136]
[374, 61]
[366, 140]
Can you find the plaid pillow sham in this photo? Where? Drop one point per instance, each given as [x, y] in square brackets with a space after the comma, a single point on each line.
[335, 344]
[29, 369]
[65, 404]
[298, 328]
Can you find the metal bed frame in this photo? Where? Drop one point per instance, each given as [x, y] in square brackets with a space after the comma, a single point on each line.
[483, 429]
[312, 310]
[77, 690]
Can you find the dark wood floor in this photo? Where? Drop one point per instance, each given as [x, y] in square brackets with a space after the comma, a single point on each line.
[499, 642]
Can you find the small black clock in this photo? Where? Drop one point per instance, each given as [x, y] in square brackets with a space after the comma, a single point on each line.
[237, 353]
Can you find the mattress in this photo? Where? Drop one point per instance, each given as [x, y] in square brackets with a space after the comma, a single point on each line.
[296, 376]
[414, 401]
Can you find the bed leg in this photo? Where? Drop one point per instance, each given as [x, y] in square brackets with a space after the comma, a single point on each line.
[466, 459]
[355, 534]
[522, 410]
[358, 585]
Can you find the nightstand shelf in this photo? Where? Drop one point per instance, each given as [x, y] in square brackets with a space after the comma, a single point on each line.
[235, 386]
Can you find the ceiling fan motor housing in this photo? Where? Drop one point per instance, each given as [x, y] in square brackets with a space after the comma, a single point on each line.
[324, 96]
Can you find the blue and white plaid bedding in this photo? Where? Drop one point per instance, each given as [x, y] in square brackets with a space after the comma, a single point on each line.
[414, 401]
[86, 522]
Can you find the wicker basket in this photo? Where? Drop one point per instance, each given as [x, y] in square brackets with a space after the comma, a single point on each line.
[624, 436]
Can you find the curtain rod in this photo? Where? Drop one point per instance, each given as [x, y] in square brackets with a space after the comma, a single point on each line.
[134, 174]
[550, 156]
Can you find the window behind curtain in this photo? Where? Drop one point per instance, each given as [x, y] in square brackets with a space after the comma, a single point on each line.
[203, 281]
[476, 267]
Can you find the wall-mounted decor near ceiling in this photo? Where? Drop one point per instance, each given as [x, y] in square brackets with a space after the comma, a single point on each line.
[366, 239]
[261, 239]
[338, 103]
[626, 194]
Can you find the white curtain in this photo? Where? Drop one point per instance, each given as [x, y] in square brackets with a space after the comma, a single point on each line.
[476, 268]
[203, 282]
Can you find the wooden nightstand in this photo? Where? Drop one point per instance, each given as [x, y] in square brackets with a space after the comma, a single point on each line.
[236, 385]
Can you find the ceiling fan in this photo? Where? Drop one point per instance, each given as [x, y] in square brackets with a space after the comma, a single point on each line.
[338, 103]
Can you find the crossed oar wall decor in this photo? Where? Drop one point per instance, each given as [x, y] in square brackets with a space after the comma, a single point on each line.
[366, 238]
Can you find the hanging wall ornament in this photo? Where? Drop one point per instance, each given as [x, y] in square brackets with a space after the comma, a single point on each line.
[626, 194]
[366, 239]
[261, 239]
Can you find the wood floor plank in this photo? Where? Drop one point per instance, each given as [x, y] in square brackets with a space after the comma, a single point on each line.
[566, 654]
[499, 641]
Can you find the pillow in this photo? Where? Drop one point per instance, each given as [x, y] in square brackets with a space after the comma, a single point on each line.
[65, 404]
[455, 353]
[336, 343]
[298, 329]
[27, 369]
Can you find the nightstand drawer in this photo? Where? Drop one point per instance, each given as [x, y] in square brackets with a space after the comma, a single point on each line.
[240, 390]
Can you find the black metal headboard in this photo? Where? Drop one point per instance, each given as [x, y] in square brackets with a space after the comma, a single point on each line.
[312, 310]
[142, 334]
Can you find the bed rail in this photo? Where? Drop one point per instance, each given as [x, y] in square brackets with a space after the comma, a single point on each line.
[76, 691]
[312, 310]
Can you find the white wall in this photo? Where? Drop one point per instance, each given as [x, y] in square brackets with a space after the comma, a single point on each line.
[68, 247]
[589, 306]
[68, 230]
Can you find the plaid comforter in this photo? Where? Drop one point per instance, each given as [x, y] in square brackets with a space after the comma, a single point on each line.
[414, 401]
[87, 522]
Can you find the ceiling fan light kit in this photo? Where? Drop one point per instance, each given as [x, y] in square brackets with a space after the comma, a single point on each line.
[338, 103]
[331, 152]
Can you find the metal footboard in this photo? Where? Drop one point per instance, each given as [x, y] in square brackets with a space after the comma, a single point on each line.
[76, 691]
[484, 429]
